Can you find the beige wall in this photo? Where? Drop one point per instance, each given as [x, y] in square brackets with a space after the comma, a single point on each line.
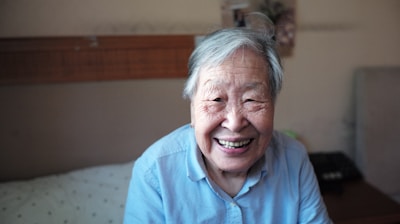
[333, 39]
[96, 17]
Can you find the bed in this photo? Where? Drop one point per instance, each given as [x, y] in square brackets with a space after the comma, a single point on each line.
[90, 195]
[76, 112]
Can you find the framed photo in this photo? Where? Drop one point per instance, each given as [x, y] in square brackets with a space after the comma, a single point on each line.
[233, 12]
[281, 12]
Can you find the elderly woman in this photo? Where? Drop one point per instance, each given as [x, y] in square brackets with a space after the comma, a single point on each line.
[229, 165]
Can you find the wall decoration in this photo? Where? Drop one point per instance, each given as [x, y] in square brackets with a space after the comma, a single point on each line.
[280, 12]
[233, 12]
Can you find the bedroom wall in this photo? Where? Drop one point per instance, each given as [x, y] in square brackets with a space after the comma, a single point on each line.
[333, 39]
[96, 17]
[54, 128]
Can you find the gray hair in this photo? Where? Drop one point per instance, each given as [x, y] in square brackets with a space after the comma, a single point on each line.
[216, 47]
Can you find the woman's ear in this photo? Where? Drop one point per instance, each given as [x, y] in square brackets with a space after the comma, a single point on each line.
[192, 118]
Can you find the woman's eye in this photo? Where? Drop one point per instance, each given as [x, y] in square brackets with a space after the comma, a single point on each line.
[218, 99]
[249, 100]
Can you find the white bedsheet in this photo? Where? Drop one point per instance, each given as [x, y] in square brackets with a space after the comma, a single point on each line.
[91, 195]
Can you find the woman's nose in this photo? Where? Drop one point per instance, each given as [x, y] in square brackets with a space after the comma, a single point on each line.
[235, 120]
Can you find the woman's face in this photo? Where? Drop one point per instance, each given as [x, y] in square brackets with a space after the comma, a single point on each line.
[232, 112]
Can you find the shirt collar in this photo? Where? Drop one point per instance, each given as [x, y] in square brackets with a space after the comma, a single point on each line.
[195, 166]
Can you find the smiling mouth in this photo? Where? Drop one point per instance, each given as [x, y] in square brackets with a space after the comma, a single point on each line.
[234, 145]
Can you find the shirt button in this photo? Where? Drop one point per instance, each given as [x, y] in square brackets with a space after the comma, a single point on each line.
[233, 204]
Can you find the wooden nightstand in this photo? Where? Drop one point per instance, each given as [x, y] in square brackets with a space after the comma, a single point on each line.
[359, 202]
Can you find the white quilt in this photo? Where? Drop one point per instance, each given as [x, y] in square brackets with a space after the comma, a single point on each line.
[91, 195]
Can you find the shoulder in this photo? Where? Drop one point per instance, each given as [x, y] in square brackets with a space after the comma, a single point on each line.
[287, 153]
[176, 142]
[286, 145]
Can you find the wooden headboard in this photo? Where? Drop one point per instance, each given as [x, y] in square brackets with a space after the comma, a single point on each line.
[96, 58]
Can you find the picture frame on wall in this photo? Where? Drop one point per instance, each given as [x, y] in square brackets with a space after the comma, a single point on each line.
[282, 13]
[233, 12]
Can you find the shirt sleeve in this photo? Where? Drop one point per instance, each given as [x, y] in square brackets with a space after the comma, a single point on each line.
[144, 203]
[312, 206]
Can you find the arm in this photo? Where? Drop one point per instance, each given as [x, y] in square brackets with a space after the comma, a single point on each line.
[144, 202]
[312, 207]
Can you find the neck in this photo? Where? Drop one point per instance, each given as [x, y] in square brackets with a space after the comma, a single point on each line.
[230, 182]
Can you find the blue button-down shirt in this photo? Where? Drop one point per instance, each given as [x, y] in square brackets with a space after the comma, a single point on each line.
[170, 185]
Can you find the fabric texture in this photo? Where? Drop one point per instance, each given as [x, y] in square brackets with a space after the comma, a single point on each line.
[169, 184]
[90, 195]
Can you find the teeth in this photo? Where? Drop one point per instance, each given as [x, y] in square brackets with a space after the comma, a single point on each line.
[228, 144]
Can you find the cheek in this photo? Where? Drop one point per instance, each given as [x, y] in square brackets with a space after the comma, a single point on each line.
[205, 121]
[263, 122]
[203, 115]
